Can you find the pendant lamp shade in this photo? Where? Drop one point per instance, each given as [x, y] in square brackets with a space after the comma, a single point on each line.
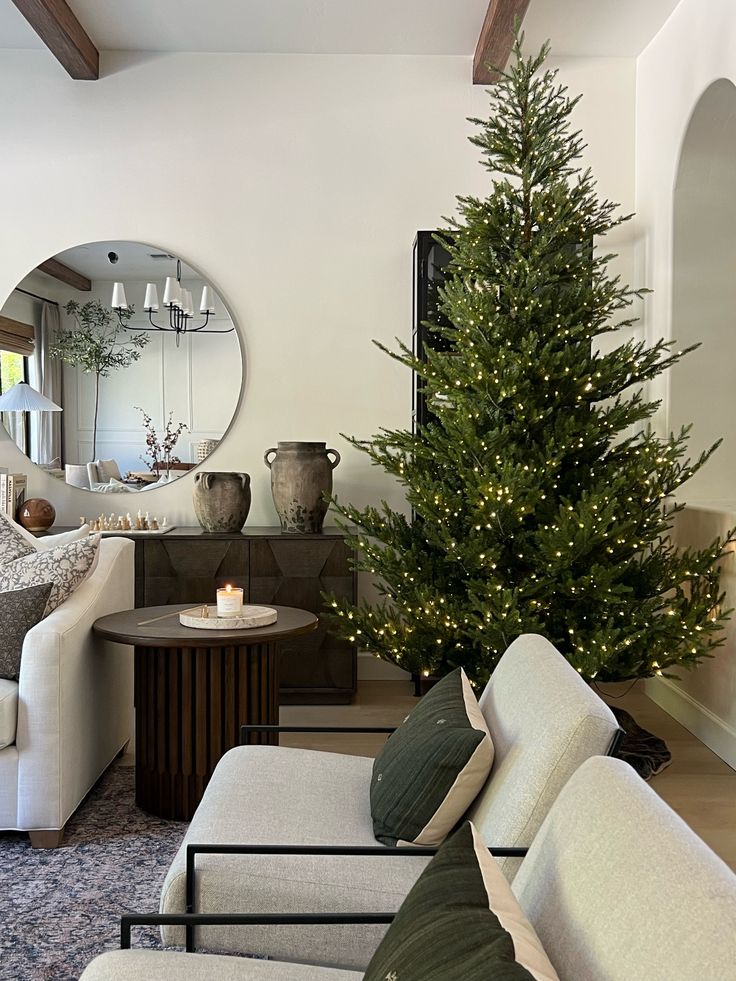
[22, 398]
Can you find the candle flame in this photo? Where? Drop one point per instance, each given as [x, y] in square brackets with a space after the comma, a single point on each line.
[229, 588]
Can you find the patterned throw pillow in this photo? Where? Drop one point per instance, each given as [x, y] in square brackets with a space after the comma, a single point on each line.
[461, 922]
[65, 567]
[12, 543]
[20, 609]
[433, 767]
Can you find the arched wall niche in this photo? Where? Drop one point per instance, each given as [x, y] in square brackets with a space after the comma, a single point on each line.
[702, 388]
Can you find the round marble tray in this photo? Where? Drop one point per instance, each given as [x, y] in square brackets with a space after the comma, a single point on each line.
[252, 616]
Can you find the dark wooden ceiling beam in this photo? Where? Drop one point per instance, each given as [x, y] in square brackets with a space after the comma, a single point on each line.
[67, 275]
[496, 38]
[63, 35]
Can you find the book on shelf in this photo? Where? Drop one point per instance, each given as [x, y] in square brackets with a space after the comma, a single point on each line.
[12, 492]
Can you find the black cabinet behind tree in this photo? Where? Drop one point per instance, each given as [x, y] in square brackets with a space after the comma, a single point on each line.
[430, 261]
[186, 566]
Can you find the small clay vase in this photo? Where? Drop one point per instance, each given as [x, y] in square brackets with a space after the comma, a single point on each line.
[221, 500]
[36, 514]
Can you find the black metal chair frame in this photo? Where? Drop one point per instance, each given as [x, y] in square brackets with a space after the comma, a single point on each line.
[190, 919]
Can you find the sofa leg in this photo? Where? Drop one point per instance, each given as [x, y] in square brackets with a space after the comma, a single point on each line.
[46, 839]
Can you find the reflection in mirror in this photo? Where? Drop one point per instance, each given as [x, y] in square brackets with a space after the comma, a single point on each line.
[147, 387]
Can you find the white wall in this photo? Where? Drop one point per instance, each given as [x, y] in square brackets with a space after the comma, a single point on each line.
[295, 184]
[297, 191]
[696, 47]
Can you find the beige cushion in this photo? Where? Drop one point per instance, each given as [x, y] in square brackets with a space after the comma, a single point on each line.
[102, 471]
[8, 711]
[156, 965]
[544, 721]
[619, 888]
[76, 475]
[271, 794]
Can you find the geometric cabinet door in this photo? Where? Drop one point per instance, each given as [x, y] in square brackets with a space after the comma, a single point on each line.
[294, 571]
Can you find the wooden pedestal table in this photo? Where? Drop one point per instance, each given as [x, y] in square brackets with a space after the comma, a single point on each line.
[193, 690]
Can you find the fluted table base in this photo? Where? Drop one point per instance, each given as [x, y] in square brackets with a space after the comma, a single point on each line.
[190, 703]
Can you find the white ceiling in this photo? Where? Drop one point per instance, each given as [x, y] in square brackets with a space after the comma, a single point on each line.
[598, 28]
[134, 262]
[619, 28]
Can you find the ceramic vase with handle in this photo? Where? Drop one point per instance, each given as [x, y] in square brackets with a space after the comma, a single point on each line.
[301, 474]
[221, 500]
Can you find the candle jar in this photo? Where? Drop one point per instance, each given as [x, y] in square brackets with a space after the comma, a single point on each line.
[229, 601]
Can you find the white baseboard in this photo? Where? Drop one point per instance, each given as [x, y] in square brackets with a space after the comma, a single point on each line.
[372, 668]
[710, 729]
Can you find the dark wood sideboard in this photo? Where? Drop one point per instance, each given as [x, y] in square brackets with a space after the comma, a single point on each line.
[186, 565]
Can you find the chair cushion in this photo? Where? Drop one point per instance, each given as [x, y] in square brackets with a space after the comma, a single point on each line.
[65, 567]
[20, 609]
[277, 795]
[157, 965]
[619, 888]
[76, 475]
[13, 544]
[461, 922]
[430, 770]
[8, 711]
[544, 721]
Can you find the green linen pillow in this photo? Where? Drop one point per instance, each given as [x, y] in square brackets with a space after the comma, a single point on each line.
[432, 768]
[461, 922]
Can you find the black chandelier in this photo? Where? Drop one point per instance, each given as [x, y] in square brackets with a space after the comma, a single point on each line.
[177, 300]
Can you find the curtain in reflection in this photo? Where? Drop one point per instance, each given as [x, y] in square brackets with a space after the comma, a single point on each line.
[47, 379]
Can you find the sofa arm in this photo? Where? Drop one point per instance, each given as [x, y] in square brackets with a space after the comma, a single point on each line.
[75, 694]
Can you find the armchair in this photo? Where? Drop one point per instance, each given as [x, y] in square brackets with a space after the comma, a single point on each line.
[615, 885]
[74, 701]
[544, 721]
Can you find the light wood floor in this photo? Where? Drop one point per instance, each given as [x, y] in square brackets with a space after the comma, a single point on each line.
[697, 784]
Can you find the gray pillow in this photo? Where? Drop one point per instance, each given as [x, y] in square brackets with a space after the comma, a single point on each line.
[20, 609]
[12, 543]
[65, 567]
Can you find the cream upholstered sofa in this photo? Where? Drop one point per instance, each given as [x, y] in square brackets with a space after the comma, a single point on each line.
[544, 721]
[71, 710]
[615, 884]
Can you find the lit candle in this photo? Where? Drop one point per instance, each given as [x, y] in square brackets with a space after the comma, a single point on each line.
[229, 601]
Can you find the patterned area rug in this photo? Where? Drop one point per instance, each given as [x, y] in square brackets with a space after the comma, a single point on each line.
[647, 753]
[61, 907]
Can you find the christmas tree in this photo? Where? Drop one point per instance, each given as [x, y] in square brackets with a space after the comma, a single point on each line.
[541, 498]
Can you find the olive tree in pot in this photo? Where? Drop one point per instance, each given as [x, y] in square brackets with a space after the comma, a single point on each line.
[97, 343]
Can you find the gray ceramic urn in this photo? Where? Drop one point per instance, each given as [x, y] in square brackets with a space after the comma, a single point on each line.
[301, 474]
[221, 500]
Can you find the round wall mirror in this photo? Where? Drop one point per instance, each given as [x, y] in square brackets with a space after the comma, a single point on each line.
[120, 368]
